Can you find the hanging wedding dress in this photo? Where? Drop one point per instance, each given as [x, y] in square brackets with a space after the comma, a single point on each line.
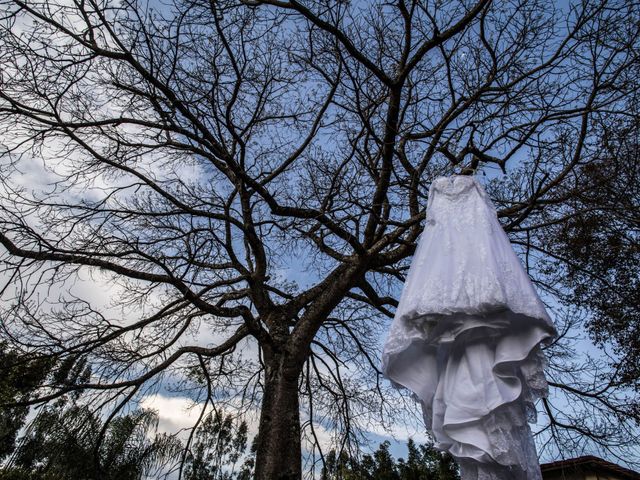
[466, 336]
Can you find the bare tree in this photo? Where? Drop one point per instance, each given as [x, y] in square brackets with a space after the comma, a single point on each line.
[196, 153]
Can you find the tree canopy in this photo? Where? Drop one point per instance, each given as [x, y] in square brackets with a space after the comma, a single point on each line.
[223, 197]
[423, 462]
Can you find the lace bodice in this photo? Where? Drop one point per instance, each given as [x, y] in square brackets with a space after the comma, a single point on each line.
[464, 261]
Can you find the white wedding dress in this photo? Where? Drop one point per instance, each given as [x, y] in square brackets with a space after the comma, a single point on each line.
[466, 336]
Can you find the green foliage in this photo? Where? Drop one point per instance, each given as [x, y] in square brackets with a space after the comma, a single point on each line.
[20, 375]
[423, 462]
[64, 443]
[600, 239]
[65, 440]
[219, 444]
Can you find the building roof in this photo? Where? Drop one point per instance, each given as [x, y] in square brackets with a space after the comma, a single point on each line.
[592, 464]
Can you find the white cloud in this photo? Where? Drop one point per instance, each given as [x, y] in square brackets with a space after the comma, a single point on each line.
[175, 413]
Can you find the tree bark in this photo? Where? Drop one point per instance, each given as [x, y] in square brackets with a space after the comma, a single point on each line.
[279, 453]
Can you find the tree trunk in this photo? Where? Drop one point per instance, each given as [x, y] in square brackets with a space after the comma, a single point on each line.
[279, 454]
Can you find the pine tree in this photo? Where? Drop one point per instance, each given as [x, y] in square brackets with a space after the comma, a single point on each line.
[423, 462]
[20, 375]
